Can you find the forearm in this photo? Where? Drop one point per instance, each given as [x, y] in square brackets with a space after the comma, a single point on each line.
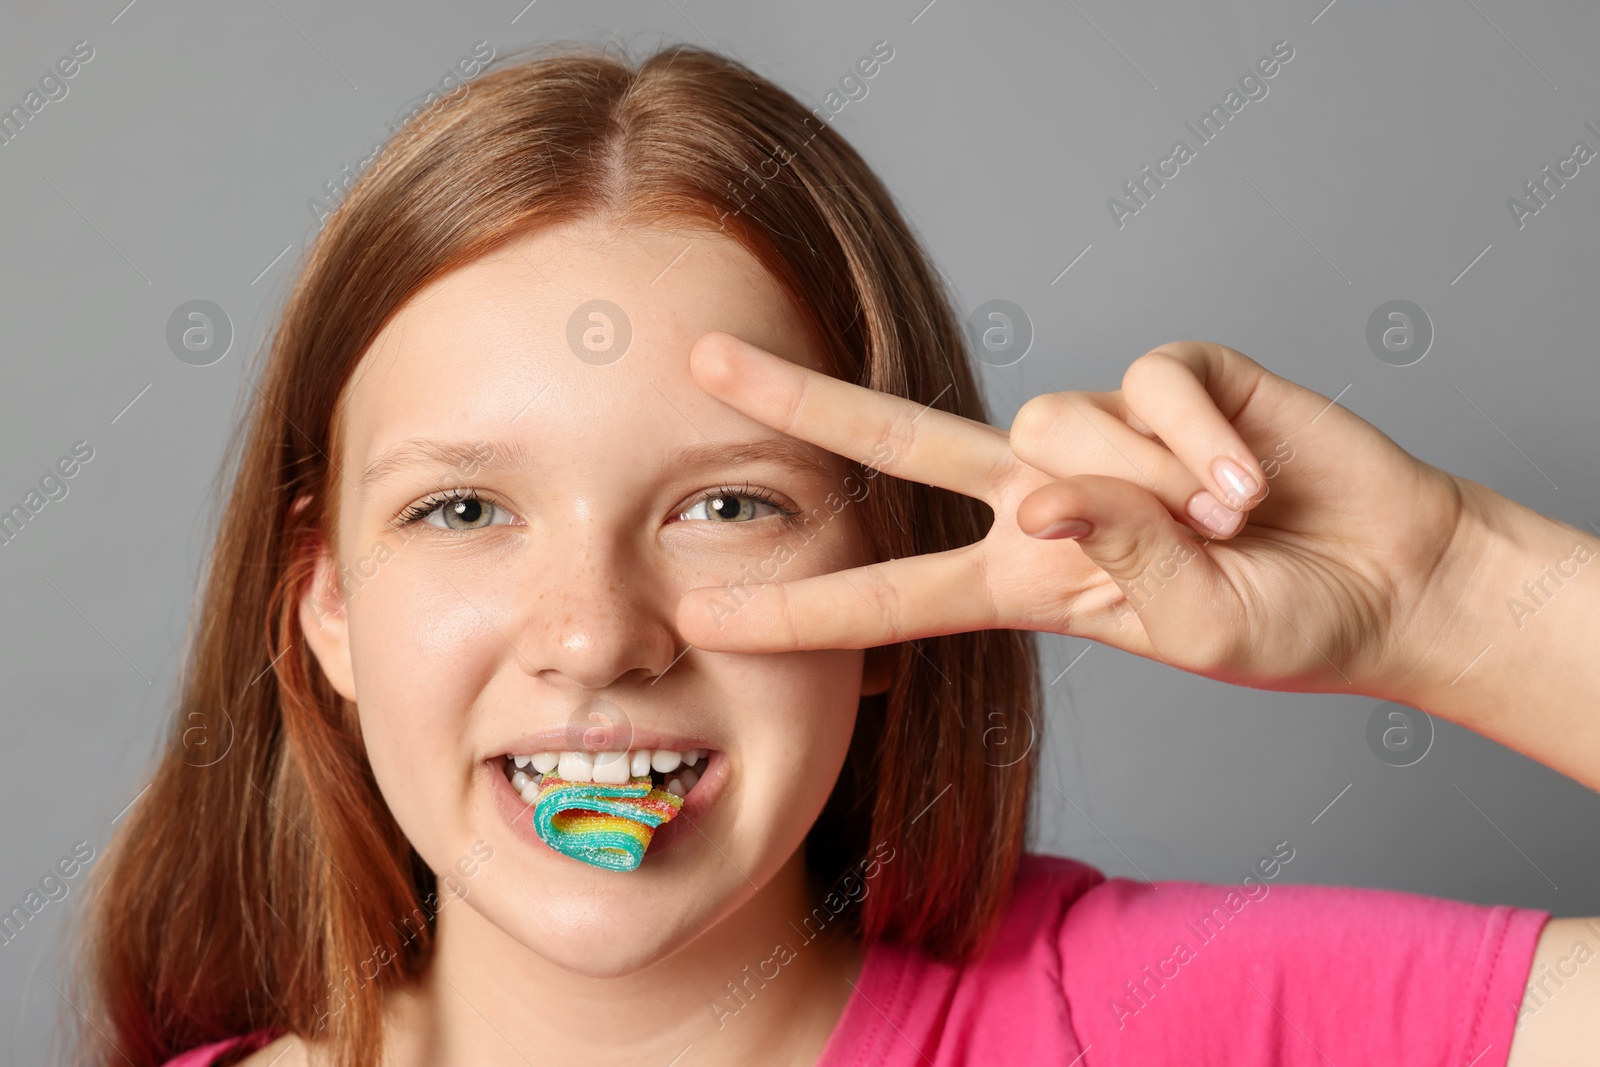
[1508, 641]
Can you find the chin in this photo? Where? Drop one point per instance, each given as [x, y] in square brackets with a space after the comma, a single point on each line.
[587, 957]
[607, 935]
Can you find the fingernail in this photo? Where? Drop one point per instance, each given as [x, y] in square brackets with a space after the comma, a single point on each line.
[1065, 528]
[1205, 510]
[1238, 485]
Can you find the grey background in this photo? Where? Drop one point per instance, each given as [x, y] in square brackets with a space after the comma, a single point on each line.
[1378, 167]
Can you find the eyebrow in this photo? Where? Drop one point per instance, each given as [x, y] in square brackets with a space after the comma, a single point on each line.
[786, 453]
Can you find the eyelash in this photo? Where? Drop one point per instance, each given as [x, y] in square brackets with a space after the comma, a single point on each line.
[762, 496]
[419, 511]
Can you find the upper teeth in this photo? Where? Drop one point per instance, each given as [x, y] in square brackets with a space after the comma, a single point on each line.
[609, 768]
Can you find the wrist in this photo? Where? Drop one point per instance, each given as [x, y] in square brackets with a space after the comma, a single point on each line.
[1502, 564]
[1445, 615]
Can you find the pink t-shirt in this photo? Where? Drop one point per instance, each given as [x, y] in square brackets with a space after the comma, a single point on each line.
[1106, 973]
[1115, 972]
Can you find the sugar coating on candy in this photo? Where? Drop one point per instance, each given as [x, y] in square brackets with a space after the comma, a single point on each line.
[607, 826]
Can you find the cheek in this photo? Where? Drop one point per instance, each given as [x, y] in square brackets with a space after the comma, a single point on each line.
[808, 698]
[796, 715]
[419, 658]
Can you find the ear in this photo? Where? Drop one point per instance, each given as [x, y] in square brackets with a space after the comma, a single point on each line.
[324, 621]
[877, 671]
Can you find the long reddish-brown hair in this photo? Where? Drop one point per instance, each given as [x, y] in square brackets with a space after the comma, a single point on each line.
[221, 907]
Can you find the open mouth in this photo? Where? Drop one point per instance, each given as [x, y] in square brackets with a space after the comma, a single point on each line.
[675, 772]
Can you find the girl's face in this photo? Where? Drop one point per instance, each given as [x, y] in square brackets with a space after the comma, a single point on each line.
[529, 480]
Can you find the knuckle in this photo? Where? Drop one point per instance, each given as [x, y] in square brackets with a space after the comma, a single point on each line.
[1120, 556]
[1149, 369]
[1033, 418]
[897, 438]
[789, 622]
[885, 599]
[795, 404]
[1040, 419]
[983, 577]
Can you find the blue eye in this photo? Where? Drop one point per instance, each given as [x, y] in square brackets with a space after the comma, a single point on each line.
[457, 511]
[726, 504]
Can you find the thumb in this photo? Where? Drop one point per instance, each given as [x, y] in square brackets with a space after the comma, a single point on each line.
[1128, 532]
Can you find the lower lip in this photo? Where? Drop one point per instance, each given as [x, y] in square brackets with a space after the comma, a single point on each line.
[518, 813]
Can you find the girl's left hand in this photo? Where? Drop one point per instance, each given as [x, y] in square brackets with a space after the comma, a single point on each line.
[1302, 588]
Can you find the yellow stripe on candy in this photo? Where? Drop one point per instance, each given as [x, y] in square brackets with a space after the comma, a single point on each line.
[590, 822]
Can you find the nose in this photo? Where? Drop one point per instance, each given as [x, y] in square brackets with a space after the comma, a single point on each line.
[597, 617]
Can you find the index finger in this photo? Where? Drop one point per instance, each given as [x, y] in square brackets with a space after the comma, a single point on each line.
[887, 433]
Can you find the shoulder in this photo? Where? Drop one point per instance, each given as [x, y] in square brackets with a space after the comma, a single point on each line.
[1046, 891]
[1163, 969]
[1043, 879]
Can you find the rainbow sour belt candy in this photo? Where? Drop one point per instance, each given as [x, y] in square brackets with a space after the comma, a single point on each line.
[606, 826]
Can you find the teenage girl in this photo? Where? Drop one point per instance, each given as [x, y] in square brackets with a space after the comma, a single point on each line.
[616, 409]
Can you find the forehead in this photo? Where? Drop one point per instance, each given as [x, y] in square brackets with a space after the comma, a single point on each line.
[572, 334]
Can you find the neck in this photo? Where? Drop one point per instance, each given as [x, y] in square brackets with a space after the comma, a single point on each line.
[760, 986]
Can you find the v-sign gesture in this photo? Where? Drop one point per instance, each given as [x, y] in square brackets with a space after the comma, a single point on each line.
[1343, 532]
